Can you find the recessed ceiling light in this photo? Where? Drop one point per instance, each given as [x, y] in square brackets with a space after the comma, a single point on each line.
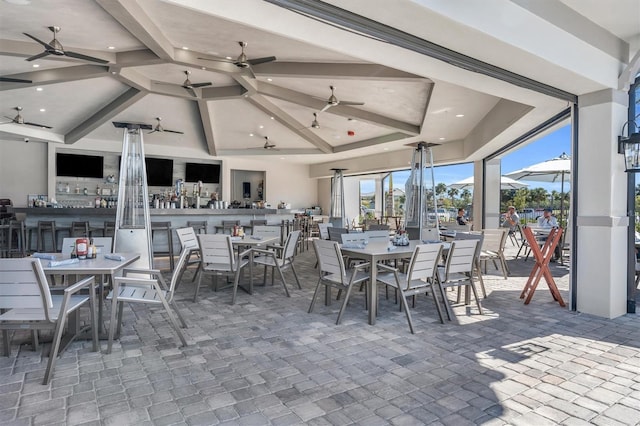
[228, 57]
[42, 110]
[282, 158]
[113, 72]
[272, 118]
[336, 136]
[459, 115]
[250, 134]
[36, 65]
[261, 126]
[385, 149]
[39, 89]
[441, 139]
[111, 47]
[351, 119]
[204, 68]
[269, 79]
[185, 48]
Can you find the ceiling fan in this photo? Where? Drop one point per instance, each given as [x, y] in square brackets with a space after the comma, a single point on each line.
[55, 48]
[14, 80]
[187, 84]
[242, 61]
[267, 145]
[18, 119]
[159, 128]
[314, 123]
[333, 101]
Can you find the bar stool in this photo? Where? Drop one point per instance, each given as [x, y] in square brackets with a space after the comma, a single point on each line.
[79, 229]
[199, 226]
[227, 226]
[109, 229]
[18, 234]
[164, 227]
[44, 227]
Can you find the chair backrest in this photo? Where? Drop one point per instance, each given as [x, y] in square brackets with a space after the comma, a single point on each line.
[324, 231]
[188, 238]
[475, 236]
[266, 231]
[357, 238]
[177, 273]
[198, 226]
[430, 234]
[335, 233]
[378, 227]
[109, 228]
[378, 235]
[256, 222]
[290, 244]
[79, 229]
[424, 263]
[103, 244]
[461, 257]
[23, 284]
[494, 239]
[67, 245]
[329, 258]
[217, 250]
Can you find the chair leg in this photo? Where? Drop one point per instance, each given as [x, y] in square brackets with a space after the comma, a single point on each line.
[34, 339]
[475, 294]
[236, 281]
[195, 295]
[437, 303]
[344, 304]
[445, 300]
[296, 276]
[6, 342]
[112, 323]
[53, 355]
[315, 296]
[119, 321]
[172, 320]
[174, 306]
[403, 302]
[505, 268]
[284, 284]
[94, 317]
[481, 281]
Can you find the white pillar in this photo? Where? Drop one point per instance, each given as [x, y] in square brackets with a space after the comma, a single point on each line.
[601, 272]
[492, 212]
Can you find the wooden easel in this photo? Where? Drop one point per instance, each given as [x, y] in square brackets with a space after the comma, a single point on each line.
[541, 267]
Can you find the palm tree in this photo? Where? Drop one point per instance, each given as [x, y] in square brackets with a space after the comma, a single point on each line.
[538, 196]
[465, 194]
[452, 192]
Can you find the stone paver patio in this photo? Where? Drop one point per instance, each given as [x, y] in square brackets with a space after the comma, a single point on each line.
[266, 360]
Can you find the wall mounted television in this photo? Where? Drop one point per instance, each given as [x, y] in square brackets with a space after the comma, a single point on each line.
[206, 172]
[76, 165]
[159, 171]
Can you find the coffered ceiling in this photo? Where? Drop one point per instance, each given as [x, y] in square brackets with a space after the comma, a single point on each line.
[150, 44]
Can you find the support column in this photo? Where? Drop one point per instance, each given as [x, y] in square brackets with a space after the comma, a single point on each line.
[602, 222]
[492, 172]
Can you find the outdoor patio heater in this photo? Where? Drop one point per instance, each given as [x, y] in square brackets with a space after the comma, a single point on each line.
[337, 211]
[421, 206]
[133, 225]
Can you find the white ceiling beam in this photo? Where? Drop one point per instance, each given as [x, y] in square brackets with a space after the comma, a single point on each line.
[628, 75]
[207, 128]
[31, 132]
[344, 111]
[290, 123]
[392, 137]
[337, 70]
[57, 75]
[26, 49]
[135, 20]
[223, 92]
[115, 107]
[137, 58]
[262, 151]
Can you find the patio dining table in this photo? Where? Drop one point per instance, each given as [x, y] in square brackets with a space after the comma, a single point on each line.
[375, 252]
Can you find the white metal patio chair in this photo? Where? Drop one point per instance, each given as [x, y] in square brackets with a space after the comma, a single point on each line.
[27, 303]
[332, 273]
[458, 269]
[145, 286]
[189, 241]
[493, 249]
[280, 260]
[420, 276]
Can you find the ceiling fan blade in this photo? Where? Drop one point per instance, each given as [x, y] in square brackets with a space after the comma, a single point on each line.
[153, 131]
[201, 84]
[257, 61]
[217, 60]
[46, 45]
[351, 103]
[14, 80]
[173, 131]
[38, 56]
[326, 107]
[84, 57]
[37, 125]
[191, 91]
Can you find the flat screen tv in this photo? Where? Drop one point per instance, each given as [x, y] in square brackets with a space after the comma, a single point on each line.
[75, 165]
[159, 171]
[206, 172]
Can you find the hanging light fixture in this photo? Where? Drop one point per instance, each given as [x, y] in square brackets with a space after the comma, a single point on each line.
[630, 146]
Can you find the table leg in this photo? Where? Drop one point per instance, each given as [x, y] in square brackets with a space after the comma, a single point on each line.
[373, 293]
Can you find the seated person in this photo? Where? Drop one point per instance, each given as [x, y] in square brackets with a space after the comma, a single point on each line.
[511, 219]
[460, 219]
[547, 220]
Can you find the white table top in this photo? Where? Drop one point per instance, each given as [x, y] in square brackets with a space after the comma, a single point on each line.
[99, 265]
[252, 240]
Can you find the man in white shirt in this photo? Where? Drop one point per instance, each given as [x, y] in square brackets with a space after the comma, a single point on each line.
[547, 220]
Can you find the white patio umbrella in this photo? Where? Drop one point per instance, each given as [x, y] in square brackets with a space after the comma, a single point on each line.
[553, 170]
[505, 183]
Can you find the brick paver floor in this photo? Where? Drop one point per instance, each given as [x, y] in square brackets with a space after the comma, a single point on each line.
[266, 360]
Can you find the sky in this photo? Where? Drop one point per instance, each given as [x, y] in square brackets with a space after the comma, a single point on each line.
[545, 148]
